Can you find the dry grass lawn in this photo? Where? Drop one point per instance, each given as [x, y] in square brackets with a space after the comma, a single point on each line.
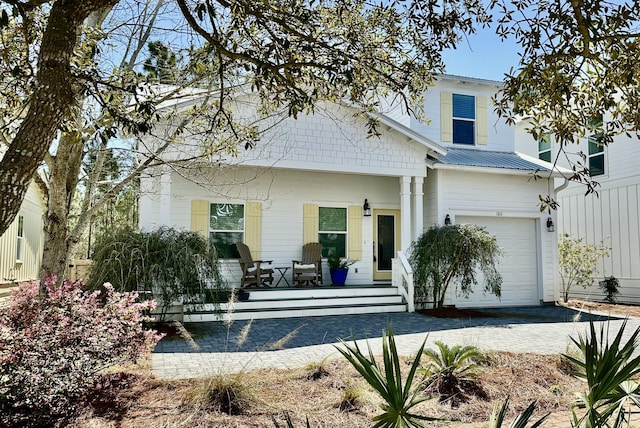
[333, 394]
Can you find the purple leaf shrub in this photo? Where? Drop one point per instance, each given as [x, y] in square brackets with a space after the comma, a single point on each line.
[53, 347]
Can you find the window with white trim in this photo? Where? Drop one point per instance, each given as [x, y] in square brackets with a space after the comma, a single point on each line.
[226, 227]
[544, 148]
[332, 230]
[20, 243]
[596, 151]
[464, 119]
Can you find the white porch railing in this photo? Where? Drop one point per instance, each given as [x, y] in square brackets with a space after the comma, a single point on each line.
[402, 279]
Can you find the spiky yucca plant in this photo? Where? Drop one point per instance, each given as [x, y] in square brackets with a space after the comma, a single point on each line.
[521, 421]
[609, 369]
[400, 398]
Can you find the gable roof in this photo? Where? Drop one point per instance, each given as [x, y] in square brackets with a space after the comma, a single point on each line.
[494, 161]
[412, 135]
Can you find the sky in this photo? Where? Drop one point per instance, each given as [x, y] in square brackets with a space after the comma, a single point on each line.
[482, 55]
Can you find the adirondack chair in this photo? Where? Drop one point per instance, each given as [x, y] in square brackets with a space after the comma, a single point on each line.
[256, 273]
[308, 270]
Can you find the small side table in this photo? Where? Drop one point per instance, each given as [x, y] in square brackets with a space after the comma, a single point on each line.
[283, 274]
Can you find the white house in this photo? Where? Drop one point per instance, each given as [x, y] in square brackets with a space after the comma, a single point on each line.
[308, 179]
[610, 217]
[22, 244]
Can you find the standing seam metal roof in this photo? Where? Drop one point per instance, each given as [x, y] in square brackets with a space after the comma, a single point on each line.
[490, 159]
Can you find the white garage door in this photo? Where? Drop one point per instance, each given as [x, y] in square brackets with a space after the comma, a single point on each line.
[518, 265]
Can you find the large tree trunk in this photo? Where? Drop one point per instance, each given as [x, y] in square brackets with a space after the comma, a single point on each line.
[62, 187]
[50, 103]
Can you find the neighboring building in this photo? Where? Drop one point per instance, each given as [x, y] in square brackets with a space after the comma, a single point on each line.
[22, 244]
[611, 217]
[307, 180]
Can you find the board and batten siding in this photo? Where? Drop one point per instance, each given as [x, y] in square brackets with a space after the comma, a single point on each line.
[283, 195]
[32, 246]
[612, 219]
[497, 195]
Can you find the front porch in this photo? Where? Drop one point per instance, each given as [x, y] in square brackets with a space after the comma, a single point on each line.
[288, 302]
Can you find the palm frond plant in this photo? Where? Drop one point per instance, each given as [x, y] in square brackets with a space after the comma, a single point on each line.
[447, 366]
[609, 368]
[400, 397]
[520, 421]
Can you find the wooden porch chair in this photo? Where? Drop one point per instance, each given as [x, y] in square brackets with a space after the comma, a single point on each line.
[308, 270]
[257, 273]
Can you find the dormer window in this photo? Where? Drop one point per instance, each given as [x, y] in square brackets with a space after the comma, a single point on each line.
[464, 119]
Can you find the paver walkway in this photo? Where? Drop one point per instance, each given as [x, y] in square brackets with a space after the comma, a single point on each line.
[540, 329]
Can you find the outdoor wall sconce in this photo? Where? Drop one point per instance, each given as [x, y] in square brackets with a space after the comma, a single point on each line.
[366, 209]
[550, 227]
[447, 220]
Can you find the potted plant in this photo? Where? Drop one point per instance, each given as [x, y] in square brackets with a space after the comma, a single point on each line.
[338, 268]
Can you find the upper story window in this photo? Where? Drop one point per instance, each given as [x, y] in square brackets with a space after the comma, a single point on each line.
[20, 243]
[464, 119]
[596, 151]
[226, 227]
[332, 230]
[544, 148]
[596, 156]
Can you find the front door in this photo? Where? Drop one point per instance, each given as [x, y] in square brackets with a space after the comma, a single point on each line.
[386, 232]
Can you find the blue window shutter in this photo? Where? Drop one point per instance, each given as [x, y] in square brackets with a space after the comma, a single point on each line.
[464, 106]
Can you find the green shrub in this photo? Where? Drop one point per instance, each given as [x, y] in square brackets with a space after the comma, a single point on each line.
[578, 262]
[171, 264]
[447, 366]
[446, 254]
[610, 286]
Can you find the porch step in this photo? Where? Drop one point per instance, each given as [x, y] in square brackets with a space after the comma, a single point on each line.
[303, 302]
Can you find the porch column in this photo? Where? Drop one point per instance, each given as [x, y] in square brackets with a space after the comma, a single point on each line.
[165, 198]
[405, 212]
[418, 198]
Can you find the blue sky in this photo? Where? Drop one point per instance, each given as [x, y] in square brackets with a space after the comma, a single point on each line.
[482, 55]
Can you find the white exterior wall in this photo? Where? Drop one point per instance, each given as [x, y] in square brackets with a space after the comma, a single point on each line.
[330, 139]
[28, 269]
[497, 195]
[282, 194]
[611, 217]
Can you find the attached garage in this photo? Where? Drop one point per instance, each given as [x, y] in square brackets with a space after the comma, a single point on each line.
[519, 265]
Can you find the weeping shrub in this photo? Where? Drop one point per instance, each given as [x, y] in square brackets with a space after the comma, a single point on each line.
[171, 264]
[456, 253]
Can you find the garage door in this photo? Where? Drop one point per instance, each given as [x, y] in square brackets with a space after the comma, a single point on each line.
[518, 265]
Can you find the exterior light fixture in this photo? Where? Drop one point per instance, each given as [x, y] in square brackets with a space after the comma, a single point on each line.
[366, 209]
[447, 220]
[550, 226]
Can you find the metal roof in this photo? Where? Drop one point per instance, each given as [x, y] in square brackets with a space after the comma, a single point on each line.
[492, 159]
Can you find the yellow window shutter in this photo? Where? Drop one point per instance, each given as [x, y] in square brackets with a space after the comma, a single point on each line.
[310, 223]
[446, 117]
[253, 228]
[355, 233]
[482, 120]
[200, 217]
